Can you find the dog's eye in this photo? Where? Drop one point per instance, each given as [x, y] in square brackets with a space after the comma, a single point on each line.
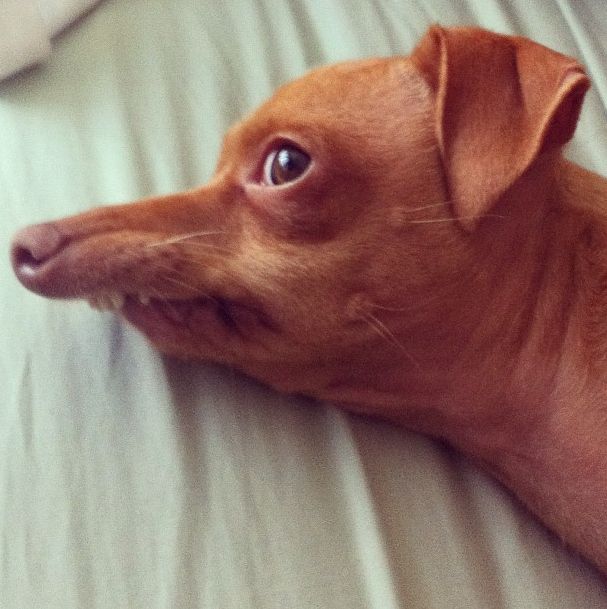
[285, 165]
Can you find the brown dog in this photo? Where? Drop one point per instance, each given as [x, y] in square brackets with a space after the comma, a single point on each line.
[403, 237]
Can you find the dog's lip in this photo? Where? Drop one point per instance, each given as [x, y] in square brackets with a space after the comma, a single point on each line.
[157, 315]
[176, 312]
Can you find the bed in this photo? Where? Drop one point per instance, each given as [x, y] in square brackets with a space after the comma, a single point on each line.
[132, 481]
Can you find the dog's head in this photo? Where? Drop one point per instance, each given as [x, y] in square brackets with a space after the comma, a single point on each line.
[342, 225]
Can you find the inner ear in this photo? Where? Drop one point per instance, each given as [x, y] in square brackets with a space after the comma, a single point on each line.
[560, 124]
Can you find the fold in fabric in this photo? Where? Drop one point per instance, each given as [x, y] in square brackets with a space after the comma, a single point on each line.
[27, 27]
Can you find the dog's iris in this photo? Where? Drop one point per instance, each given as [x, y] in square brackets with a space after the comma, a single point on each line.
[285, 165]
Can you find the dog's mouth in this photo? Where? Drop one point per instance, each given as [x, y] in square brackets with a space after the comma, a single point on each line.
[148, 284]
[168, 318]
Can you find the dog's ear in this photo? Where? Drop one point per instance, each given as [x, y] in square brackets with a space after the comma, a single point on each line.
[501, 101]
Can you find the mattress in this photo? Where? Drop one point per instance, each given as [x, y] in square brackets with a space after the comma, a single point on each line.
[129, 480]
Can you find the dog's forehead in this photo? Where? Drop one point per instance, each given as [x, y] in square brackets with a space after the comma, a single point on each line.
[336, 85]
[333, 96]
[350, 76]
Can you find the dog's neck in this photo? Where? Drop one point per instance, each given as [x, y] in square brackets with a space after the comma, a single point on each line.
[558, 464]
[553, 291]
[528, 352]
[506, 321]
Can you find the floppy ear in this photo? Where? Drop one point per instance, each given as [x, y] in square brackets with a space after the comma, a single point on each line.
[501, 101]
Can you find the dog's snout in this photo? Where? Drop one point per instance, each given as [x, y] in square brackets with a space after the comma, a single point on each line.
[32, 247]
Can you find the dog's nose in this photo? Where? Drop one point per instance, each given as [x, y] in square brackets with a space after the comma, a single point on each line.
[32, 247]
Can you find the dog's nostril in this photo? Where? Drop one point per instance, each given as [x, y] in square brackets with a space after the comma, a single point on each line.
[32, 247]
[24, 260]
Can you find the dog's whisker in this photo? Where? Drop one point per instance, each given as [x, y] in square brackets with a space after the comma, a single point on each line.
[181, 238]
[182, 284]
[193, 250]
[210, 246]
[189, 260]
[188, 286]
[384, 308]
[382, 330]
[174, 312]
[197, 258]
[436, 220]
[424, 207]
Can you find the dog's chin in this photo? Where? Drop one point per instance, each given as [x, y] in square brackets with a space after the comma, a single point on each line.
[196, 328]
